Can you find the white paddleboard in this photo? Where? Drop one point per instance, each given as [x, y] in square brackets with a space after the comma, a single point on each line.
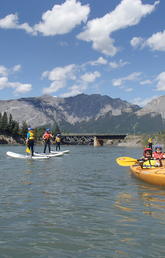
[36, 154]
[64, 152]
[22, 156]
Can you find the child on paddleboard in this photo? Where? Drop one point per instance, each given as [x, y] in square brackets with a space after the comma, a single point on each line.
[30, 140]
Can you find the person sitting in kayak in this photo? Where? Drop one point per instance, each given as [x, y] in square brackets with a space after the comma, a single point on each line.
[158, 155]
[147, 160]
[47, 140]
[30, 140]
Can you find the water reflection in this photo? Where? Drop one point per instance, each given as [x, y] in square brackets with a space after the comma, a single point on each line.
[151, 197]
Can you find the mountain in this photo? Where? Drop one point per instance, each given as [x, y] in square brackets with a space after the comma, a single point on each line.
[85, 113]
[155, 106]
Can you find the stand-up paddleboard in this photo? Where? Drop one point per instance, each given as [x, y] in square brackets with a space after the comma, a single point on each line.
[36, 154]
[64, 152]
[22, 156]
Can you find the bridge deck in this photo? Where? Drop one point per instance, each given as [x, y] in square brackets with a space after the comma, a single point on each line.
[98, 135]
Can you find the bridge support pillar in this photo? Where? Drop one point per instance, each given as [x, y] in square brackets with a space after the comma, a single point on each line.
[97, 142]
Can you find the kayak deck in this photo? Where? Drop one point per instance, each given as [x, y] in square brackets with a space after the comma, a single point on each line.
[154, 176]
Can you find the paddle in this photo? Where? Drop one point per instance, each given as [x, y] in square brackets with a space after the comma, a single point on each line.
[28, 150]
[126, 161]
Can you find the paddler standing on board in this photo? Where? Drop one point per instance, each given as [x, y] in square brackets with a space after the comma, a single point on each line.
[150, 142]
[47, 139]
[30, 140]
[58, 141]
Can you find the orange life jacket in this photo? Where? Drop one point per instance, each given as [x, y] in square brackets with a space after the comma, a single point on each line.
[47, 136]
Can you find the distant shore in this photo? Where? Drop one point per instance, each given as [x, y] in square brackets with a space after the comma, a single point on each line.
[129, 141]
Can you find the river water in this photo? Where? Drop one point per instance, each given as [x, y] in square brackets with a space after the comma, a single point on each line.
[79, 205]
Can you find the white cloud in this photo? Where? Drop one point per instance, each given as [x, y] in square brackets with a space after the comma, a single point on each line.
[131, 77]
[16, 68]
[160, 82]
[20, 87]
[99, 30]
[118, 64]
[61, 73]
[3, 70]
[136, 42]
[17, 86]
[128, 89]
[146, 82]
[99, 61]
[11, 22]
[90, 77]
[6, 71]
[59, 76]
[62, 18]
[59, 20]
[54, 87]
[63, 77]
[74, 90]
[3, 82]
[156, 41]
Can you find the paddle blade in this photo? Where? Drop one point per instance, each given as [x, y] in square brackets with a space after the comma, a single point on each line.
[28, 150]
[126, 161]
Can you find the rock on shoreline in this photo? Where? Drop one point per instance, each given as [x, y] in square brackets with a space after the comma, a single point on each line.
[131, 141]
[4, 139]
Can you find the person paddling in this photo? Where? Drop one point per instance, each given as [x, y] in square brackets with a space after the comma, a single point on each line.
[47, 140]
[150, 142]
[30, 140]
[58, 141]
[158, 155]
[146, 160]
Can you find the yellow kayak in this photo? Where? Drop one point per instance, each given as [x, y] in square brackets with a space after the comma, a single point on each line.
[155, 176]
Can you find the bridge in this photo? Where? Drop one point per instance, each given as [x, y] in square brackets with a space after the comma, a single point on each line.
[96, 139]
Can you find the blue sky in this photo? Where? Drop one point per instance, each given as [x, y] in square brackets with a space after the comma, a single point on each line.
[64, 48]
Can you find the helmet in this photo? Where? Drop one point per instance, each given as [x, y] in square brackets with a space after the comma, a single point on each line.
[147, 150]
[158, 147]
[48, 130]
[30, 129]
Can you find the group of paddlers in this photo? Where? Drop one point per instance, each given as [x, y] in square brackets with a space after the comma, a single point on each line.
[47, 137]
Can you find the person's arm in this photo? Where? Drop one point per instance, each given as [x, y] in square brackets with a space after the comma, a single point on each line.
[27, 137]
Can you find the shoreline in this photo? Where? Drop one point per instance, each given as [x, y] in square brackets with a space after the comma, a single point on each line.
[129, 141]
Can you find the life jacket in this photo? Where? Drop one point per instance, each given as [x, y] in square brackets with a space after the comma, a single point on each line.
[47, 136]
[158, 155]
[149, 163]
[58, 139]
[30, 135]
[150, 140]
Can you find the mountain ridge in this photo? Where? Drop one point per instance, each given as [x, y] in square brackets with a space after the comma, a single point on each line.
[86, 112]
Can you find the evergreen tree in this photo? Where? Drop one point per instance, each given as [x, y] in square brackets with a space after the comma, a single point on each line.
[10, 123]
[4, 123]
[24, 130]
[15, 128]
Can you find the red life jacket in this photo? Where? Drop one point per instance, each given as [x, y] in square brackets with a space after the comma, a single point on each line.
[158, 155]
